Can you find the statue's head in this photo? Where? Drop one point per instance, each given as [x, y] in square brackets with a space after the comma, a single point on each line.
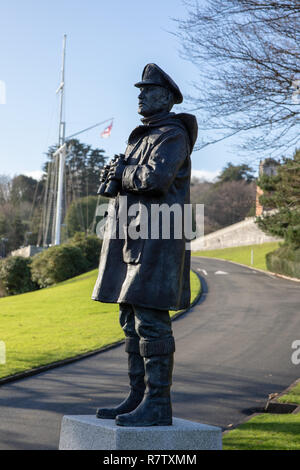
[158, 92]
[154, 99]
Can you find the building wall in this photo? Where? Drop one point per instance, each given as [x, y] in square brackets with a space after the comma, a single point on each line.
[259, 208]
[268, 167]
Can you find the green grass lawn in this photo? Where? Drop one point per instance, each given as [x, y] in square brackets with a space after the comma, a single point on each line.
[242, 254]
[293, 395]
[58, 322]
[265, 432]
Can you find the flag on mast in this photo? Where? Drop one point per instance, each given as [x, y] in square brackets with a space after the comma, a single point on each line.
[107, 131]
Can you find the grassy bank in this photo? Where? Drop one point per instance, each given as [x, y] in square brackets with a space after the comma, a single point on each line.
[59, 322]
[268, 431]
[265, 432]
[293, 395]
[242, 254]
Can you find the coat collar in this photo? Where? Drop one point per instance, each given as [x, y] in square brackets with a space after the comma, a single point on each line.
[156, 118]
[187, 122]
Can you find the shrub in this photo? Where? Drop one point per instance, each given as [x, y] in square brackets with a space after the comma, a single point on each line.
[90, 245]
[285, 260]
[15, 275]
[57, 264]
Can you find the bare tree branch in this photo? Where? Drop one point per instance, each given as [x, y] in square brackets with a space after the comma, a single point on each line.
[248, 56]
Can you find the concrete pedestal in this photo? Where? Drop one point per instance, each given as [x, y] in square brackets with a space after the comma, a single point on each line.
[90, 433]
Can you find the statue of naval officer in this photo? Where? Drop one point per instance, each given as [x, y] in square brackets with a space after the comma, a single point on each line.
[147, 277]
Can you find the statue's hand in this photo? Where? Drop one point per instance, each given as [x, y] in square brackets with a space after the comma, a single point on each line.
[116, 172]
[116, 169]
[103, 173]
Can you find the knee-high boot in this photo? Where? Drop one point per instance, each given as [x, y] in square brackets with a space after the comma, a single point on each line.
[136, 374]
[156, 408]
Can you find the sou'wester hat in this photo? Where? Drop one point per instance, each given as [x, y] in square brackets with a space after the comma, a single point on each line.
[154, 75]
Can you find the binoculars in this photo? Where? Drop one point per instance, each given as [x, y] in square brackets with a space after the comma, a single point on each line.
[110, 188]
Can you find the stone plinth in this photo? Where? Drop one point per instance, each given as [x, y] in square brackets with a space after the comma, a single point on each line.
[90, 433]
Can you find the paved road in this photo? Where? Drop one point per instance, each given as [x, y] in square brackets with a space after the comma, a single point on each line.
[233, 349]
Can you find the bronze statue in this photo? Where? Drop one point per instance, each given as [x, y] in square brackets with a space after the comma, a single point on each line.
[148, 276]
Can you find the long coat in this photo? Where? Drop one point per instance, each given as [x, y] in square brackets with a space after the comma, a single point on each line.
[153, 273]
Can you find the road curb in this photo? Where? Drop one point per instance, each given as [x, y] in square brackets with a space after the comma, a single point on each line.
[70, 360]
[275, 406]
[294, 410]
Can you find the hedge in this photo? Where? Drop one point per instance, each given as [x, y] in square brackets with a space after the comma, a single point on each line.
[90, 246]
[57, 264]
[15, 275]
[285, 260]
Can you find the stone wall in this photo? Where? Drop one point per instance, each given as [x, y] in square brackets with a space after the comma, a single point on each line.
[27, 251]
[245, 232]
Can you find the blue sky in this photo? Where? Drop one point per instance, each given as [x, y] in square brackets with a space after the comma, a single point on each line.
[108, 44]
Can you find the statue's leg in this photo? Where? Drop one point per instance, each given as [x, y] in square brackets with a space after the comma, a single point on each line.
[157, 347]
[136, 369]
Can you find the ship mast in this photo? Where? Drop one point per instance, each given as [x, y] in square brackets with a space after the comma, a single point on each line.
[62, 149]
[54, 192]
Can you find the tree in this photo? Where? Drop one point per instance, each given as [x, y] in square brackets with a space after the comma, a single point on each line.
[5, 185]
[282, 193]
[248, 56]
[81, 214]
[230, 202]
[20, 211]
[26, 195]
[232, 172]
[199, 190]
[227, 201]
[12, 228]
[82, 167]
[24, 189]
